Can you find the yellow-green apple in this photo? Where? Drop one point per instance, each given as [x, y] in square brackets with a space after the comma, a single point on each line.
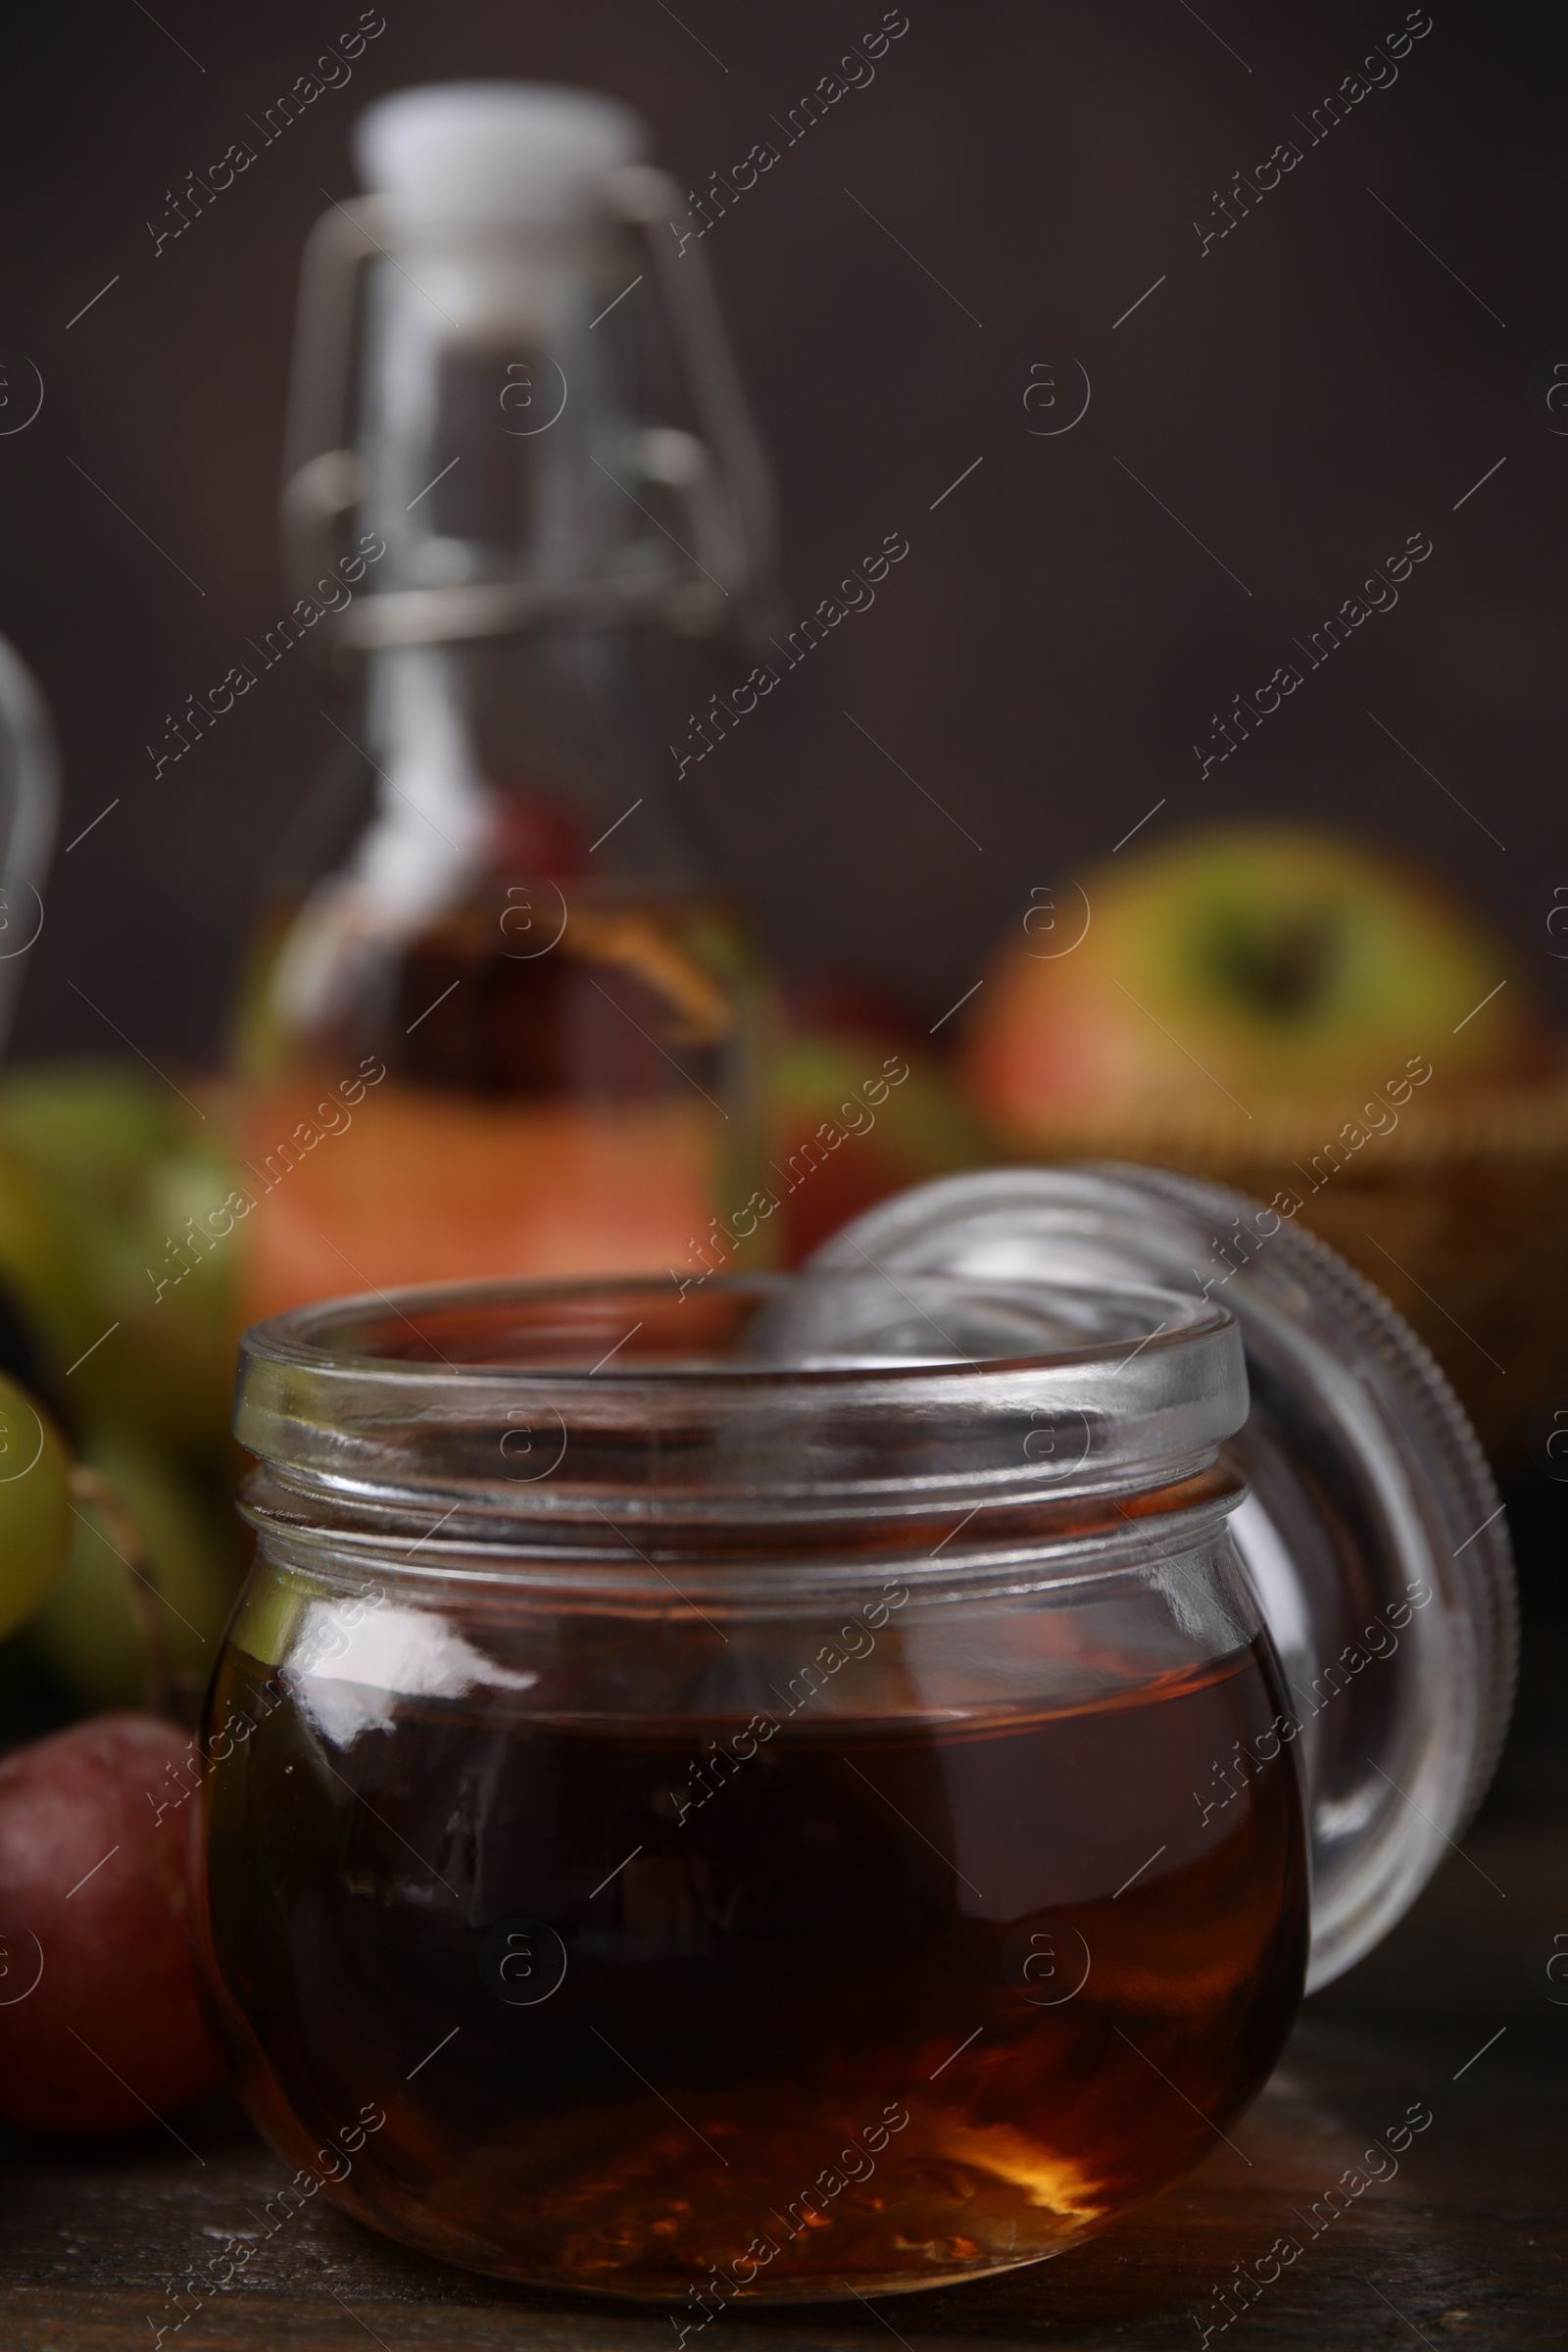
[1254, 961]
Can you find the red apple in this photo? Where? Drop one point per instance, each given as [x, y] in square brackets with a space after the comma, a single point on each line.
[858, 1116]
[100, 2024]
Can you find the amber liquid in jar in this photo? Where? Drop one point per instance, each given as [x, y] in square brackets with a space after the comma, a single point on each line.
[870, 2005]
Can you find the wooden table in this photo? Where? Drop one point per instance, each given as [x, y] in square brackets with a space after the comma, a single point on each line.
[1467, 2244]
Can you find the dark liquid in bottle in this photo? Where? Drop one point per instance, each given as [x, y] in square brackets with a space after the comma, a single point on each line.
[535, 1090]
[860, 2004]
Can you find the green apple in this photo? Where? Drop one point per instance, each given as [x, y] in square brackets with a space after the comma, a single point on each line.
[146, 1587]
[40, 1264]
[138, 1314]
[1241, 964]
[34, 1506]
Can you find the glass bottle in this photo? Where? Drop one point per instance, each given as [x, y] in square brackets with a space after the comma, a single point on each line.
[499, 1020]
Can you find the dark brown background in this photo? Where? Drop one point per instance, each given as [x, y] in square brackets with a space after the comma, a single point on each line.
[1304, 397]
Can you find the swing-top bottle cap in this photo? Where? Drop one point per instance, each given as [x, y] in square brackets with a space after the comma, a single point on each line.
[495, 151]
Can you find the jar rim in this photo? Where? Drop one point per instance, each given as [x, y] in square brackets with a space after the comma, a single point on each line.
[302, 1336]
[796, 1395]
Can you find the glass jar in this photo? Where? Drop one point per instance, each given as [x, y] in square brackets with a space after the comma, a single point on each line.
[772, 1787]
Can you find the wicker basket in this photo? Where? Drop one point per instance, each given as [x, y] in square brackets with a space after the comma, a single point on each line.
[1459, 1214]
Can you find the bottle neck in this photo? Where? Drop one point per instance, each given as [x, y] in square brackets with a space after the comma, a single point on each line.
[525, 754]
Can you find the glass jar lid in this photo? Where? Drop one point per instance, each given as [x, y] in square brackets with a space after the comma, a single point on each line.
[1372, 1531]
